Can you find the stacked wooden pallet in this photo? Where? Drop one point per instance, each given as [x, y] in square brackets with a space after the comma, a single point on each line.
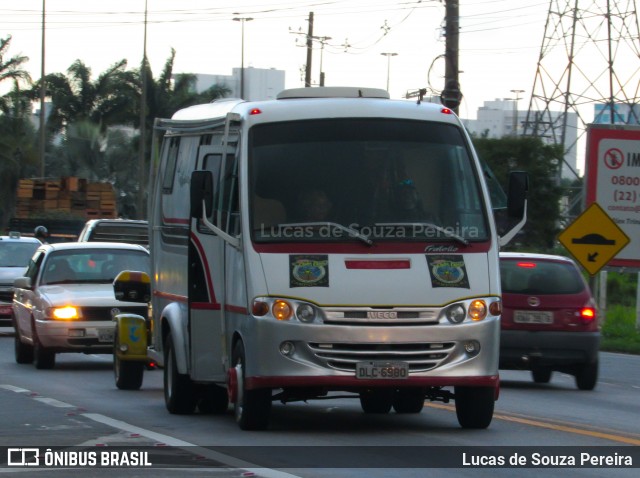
[72, 195]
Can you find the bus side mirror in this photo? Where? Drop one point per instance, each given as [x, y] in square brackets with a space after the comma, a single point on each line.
[517, 194]
[201, 189]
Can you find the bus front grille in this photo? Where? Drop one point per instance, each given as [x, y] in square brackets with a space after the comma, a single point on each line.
[344, 356]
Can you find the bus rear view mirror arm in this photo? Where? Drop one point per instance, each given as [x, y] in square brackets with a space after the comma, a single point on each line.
[516, 203]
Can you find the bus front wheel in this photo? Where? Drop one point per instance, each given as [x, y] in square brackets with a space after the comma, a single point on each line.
[474, 406]
[252, 407]
[179, 394]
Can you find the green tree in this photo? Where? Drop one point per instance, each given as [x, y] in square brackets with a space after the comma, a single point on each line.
[541, 161]
[169, 93]
[11, 69]
[75, 97]
[17, 134]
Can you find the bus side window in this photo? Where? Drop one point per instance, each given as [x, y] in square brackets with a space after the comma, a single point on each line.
[170, 168]
[212, 163]
[230, 206]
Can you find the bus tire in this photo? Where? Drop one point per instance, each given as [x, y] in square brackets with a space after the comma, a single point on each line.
[179, 396]
[474, 406]
[408, 400]
[377, 400]
[252, 407]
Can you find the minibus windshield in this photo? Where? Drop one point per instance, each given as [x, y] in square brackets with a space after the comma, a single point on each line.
[369, 179]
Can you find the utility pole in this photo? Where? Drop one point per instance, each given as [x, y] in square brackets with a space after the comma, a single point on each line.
[451, 95]
[307, 73]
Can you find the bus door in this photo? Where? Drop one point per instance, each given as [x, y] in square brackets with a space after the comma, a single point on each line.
[206, 273]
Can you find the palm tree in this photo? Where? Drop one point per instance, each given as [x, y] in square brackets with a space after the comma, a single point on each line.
[17, 134]
[11, 69]
[107, 101]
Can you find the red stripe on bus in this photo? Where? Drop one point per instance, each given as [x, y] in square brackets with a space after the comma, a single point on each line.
[381, 264]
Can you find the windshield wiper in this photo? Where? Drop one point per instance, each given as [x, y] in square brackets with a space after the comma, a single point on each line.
[353, 232]
[447, 233]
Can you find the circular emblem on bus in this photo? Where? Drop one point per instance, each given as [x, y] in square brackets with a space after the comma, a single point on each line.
[448, 273]
[115, 311]
[308, 273]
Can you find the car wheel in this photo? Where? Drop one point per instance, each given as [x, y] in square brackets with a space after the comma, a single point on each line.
[213, 399]
[541, 374]
[377, 400]
[408, 400]
[587, 376]
[252, 407]
[23, 352]
[179, 396]
[43, 358]
[474, 406]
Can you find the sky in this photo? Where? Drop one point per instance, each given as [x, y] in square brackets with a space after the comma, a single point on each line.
[500, 40]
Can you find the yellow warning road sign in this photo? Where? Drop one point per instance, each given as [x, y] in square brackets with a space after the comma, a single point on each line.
[593, 239]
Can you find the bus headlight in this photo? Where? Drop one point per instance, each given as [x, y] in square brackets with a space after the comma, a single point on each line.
[306, 313]
[456, 313]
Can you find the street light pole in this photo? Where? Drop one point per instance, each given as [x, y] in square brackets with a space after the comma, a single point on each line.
[515, 110]
[242, 20]
[141, 210]
[322, 40]
[388, 55]
[43, 92]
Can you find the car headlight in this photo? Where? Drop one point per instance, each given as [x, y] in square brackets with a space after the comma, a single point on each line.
[67, 312]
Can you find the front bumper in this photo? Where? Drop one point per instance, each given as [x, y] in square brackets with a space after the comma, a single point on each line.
[523, 350]
[72, 336]
[6, 314]
[326, 355]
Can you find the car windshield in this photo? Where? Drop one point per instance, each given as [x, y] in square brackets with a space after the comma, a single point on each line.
[355, 179]
[530, 276]
[16, 254]
[91, 265]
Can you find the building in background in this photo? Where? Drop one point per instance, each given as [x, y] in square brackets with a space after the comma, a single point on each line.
[500, 118]
[259, 83]
[622, 114]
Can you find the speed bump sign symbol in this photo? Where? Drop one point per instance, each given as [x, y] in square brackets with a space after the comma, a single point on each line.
[593, 239]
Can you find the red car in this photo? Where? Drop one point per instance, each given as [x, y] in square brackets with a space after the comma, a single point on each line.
[549, 319]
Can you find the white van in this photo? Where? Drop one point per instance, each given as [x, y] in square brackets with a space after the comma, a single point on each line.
[329, 240]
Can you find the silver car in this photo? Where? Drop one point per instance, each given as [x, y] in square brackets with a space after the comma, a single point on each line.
[15, 252]
[65, 301]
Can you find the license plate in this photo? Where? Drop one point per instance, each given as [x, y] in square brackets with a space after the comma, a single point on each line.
[532, 317]
[382, 370]
[105, 335]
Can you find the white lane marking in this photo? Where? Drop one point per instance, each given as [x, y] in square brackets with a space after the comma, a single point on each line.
[53, 402]
[120, 425]
[166, 439]
[15, 389]
[192, 448]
